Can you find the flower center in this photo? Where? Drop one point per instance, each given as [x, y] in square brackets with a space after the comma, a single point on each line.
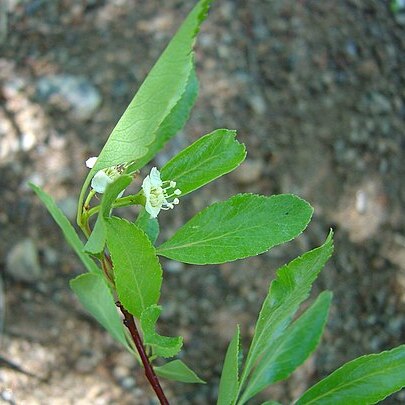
[105, 176]
[157, 196]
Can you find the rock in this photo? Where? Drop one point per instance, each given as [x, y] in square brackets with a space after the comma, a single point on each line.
[128, 383]
[362, 211]
[7, 396]
[88, 361]
[22, 262]
[376, 103]
[398, 9]
[400, 18]
[70, 92]
[69, 205]
[351, 48]
[13, 86]
[120, 88]
[120, 372]
[174, 267]
[125, 359]
[21, 121]
[368, 69]
[51, 256]
[361, 201]
[2, 304]
[249, 172]
[258, 104]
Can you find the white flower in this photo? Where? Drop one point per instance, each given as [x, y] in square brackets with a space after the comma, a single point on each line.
[90, 162]
[104, 177]
[156, 193]
[100, 181]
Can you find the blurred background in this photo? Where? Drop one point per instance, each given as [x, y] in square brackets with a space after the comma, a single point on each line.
[316, 92]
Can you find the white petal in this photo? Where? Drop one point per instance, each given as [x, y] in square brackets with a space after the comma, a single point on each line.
[90, 162]
[155, 179]
[153, 211]
[100, 181]
[146, 186]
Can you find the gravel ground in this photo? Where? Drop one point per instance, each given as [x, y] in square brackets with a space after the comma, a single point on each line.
[316, 92]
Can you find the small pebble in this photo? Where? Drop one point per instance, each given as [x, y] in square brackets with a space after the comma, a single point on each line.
[22, 262]
[74, 92]
[248, 172]
[361, 202]
[128, 383]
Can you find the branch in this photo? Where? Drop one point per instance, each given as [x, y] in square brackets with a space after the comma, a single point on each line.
[129, 322]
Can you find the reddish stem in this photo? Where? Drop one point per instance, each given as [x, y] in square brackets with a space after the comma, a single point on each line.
[129, 322]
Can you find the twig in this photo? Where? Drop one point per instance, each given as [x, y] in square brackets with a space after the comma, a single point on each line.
[5, 363]
[129, 322]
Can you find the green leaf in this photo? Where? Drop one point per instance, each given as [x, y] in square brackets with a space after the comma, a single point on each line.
[286, 293]
[66, 227]
[162, 345]
[94, 294]
[173, 122]
[134, 135]
[210, 157]
[271, 403]
[243, 226]
[292, 348]
[96, 242]
[137, 271]
[365, 380]
[149, 225]
[176, 370]
[157, 96]
[228, 386]
[111, 194]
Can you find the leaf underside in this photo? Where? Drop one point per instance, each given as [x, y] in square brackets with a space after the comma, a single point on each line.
[176, 370]
[94, 294]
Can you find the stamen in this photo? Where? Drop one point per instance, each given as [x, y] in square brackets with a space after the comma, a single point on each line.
[160, 195]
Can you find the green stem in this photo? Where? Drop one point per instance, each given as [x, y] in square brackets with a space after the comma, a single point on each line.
[126, 201]
[83, 220]
[107, 267]
[86, 204]
[81, 198]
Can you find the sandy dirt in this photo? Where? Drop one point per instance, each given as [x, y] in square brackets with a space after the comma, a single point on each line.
[316, 92]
